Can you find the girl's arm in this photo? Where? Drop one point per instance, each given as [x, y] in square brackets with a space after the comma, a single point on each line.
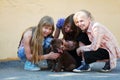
[57, 32]
[97, 38]
[70, 45]
[78, 49]
[27, 37]
[51, 55]
[59, 26]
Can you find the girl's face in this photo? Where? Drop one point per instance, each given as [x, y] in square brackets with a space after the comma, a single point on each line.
[82, 21]
[47, 30]
[67, 28]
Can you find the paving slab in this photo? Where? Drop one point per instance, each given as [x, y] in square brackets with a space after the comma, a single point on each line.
[13, 70]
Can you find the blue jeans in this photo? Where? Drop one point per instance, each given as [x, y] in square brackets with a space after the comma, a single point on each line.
[21, 54]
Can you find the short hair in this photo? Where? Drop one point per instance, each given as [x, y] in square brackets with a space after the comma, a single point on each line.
[88, 14]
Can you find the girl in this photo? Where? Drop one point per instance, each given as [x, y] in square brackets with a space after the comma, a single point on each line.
[103, 45]
[71, 39]
[33, 43]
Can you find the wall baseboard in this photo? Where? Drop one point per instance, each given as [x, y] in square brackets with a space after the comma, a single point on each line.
[9, 59]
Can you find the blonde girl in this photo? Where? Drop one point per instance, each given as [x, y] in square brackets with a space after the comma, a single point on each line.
[34, 41]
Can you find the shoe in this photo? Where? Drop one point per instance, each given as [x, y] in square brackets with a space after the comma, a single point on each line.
[30, 66]
[43, 64]
[84, 67]
[106, 68]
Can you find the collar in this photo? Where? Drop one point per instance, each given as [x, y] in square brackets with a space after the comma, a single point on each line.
[90, 27]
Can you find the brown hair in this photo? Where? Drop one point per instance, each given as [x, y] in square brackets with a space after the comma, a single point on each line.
[72, 35]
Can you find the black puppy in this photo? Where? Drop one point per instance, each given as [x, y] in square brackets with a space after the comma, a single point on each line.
[65, 62]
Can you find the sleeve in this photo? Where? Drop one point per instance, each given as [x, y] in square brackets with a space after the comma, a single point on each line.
[97, 34]
[83, 37]
[47, 42]
[60, 23]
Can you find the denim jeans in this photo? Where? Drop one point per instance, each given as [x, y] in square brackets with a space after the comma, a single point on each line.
[21, 54]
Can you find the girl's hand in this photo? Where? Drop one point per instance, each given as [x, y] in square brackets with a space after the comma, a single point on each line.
[69, 45]
[78, 50]
[29, 56]
[53, 55]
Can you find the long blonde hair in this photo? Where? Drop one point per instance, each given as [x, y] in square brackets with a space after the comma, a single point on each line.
[30, 28]
[37, 39]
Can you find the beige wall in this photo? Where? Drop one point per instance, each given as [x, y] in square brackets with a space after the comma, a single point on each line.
[17, 15]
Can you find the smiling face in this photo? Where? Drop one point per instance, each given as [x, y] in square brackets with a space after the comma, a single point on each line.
[67, 28]
[81, 20]
[47, 30]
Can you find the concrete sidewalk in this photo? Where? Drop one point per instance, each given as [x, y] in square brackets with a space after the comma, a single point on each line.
[13, 70]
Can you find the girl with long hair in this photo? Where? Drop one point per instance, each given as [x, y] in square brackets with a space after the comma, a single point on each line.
[33, 43]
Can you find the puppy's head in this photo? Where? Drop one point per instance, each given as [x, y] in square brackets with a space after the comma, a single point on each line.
[57, 45]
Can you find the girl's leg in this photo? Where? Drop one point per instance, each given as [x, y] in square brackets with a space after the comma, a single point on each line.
[28, 65]
[90, 57]
[99, 55]
[83, 67]
[93, 56]
[21, 54]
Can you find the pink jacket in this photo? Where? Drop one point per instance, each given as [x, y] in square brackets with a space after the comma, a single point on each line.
[101, 37]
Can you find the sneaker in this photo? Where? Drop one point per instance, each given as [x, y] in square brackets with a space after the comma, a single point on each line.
[43, 64]
[106, 68]
[82, 68]
[30, 66]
